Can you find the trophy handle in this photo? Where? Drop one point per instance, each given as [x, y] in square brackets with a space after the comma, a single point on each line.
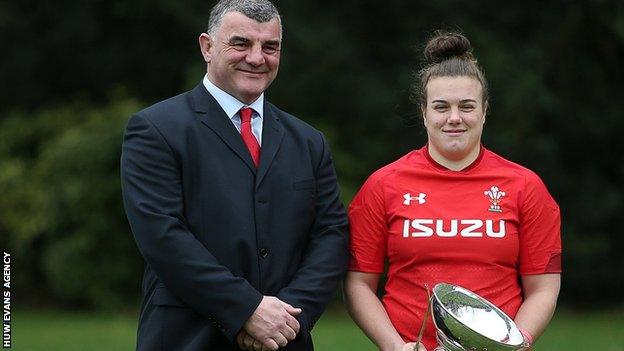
[446, 344]
[421, 332]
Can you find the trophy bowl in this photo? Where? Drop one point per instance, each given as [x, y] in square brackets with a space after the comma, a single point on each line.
[465, 321]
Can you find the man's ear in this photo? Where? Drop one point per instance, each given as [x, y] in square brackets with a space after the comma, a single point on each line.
[205, 43]
[422, 113]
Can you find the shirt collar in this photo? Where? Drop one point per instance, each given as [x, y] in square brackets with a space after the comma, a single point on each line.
[230, 104]
[435, 163]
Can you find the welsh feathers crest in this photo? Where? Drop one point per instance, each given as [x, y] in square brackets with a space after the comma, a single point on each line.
[495, 196]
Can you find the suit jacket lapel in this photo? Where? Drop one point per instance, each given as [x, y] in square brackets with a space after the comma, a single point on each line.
[272, 134]
[213, 116]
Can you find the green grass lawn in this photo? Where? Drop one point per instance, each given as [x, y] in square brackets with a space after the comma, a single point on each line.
[67, 331]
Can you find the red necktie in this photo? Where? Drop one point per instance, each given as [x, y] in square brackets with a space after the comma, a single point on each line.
[247, 135]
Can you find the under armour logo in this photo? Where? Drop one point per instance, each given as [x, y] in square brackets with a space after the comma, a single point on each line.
[409, 198]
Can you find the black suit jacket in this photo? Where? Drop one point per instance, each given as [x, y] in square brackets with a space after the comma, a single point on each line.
[217, 234]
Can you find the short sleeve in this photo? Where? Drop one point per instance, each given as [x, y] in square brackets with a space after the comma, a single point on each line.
[539, 231]
[368, 228]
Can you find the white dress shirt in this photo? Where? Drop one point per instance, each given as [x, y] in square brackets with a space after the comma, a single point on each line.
[232, 106]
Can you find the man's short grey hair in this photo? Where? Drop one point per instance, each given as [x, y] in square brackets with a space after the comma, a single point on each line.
[258, 10]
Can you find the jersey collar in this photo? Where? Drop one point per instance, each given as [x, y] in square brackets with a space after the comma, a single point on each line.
[435, 164]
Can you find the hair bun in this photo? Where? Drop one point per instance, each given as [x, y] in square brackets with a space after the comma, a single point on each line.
[446, 45]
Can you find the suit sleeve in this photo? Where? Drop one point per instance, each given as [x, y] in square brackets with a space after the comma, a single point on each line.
[324, 262]
[153, 199]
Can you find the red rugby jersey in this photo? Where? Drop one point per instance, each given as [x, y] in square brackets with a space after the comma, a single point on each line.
[480, 228]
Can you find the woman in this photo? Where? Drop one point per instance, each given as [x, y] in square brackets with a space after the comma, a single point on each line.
[452, 212]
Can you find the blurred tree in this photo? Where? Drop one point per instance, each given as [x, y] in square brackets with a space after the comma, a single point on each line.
[62, 205]
[66, 49]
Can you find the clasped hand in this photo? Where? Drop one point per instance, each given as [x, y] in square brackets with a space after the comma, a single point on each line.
[271, 326]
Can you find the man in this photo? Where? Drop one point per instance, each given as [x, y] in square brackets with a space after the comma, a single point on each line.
[233, 203]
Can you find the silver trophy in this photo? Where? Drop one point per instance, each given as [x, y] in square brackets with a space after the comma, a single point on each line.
[467, 322]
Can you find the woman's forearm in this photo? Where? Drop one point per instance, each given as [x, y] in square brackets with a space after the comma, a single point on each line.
[540, 299]
[368, 313]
